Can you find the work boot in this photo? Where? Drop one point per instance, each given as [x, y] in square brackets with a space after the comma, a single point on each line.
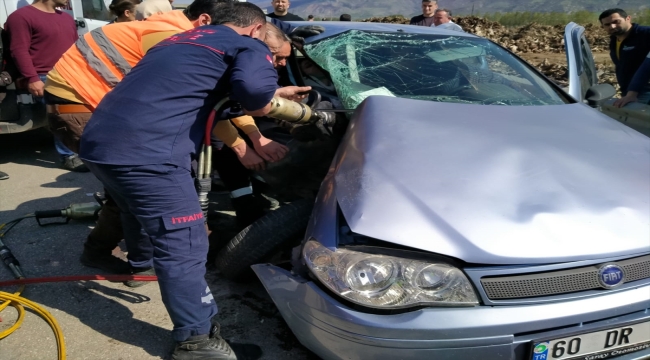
[74, 163]
[105, 261]
[208, 347]
[135, 271]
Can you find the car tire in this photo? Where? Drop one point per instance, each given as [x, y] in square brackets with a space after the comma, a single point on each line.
[260, 240]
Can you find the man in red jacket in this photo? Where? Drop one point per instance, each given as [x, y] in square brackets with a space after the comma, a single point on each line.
[38, 35]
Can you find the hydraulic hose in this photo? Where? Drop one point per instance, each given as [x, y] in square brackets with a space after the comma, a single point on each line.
[50, 279]
[18, 307]
[18, 302]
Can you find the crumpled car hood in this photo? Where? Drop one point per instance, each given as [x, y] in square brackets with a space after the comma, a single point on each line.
[495, 184]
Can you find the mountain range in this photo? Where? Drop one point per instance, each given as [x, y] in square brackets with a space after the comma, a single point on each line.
[360, 9]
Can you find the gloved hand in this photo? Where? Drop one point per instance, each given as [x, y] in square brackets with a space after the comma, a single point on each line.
[299, 34]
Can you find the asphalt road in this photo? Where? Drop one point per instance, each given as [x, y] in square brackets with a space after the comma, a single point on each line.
[103, 320]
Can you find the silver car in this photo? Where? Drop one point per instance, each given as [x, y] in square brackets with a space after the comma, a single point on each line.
[474, 210]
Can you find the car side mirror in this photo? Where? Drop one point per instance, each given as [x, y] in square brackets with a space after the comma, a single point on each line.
[598, 93]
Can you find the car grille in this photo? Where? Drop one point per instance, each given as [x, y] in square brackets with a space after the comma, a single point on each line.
[560, 282]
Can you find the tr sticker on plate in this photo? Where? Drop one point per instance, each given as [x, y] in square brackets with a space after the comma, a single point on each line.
[605, 344]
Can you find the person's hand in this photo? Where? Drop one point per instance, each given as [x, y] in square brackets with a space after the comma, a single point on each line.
[268, 149]
[299, 34]
[36, 88]
[248, 157]
[631, 96]
[293, 92]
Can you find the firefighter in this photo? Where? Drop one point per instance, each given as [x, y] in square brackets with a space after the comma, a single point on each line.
[158, 115]
[91, 68]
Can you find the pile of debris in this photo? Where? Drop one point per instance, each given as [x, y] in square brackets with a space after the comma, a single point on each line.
[395, 19]
[558, 73]
[531, 39]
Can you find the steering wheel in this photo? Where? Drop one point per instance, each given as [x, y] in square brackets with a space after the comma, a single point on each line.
[313, 99]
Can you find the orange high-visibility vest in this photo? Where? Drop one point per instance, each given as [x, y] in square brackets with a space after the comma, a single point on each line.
[101, 58]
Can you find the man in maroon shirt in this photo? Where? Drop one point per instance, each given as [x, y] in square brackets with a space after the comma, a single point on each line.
[38, 36]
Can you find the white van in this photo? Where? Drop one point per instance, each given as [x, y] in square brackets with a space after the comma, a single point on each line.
[19, 113]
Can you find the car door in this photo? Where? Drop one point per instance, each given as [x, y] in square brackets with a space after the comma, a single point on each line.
[89, 14]
[580, 61]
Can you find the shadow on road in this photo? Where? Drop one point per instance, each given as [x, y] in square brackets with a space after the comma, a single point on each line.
[95, 306]
[34, 148]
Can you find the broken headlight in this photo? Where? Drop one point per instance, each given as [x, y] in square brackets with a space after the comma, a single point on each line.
[388, 282]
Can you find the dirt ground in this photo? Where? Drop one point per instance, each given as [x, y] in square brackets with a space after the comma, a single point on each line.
[560, 58]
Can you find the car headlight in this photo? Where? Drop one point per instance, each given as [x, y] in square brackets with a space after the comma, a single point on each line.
[382, 281]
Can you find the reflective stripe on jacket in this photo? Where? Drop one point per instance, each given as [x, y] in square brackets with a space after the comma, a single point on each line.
[101, 58]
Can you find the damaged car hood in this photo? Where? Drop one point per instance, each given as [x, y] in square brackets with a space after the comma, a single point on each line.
[495, 184]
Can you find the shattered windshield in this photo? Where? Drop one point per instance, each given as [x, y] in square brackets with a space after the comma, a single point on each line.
[428, 67]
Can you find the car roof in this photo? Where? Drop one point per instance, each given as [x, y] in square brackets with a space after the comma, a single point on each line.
[337, 27]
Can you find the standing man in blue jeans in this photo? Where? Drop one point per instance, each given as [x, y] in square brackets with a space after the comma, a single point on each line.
[38, 35]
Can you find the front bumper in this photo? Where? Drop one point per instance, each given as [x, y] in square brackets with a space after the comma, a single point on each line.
[335, 331]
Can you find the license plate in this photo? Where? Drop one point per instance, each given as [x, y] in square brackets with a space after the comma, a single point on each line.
[604, 344]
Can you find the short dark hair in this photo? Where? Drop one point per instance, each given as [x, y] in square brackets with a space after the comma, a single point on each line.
[610, 12]
[443, 10]
[310, 16]
[345, 17]
[433, 1]
[240, 14]
[118, 7]
[210, 7]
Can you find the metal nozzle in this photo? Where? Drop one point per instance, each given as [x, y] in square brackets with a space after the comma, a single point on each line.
[74, 211]
[80, 211]
[290, 111]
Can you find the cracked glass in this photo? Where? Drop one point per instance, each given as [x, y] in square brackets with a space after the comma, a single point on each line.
[428, 67]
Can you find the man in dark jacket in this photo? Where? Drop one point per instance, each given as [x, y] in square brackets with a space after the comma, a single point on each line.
[635, 92]
[281, 11]
[629, 46]
[428, 9]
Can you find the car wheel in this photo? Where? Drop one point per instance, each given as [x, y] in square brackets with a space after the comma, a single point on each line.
[262, 239]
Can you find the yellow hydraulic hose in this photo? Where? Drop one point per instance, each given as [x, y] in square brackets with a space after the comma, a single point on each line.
[20, 303]
[19, 308]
